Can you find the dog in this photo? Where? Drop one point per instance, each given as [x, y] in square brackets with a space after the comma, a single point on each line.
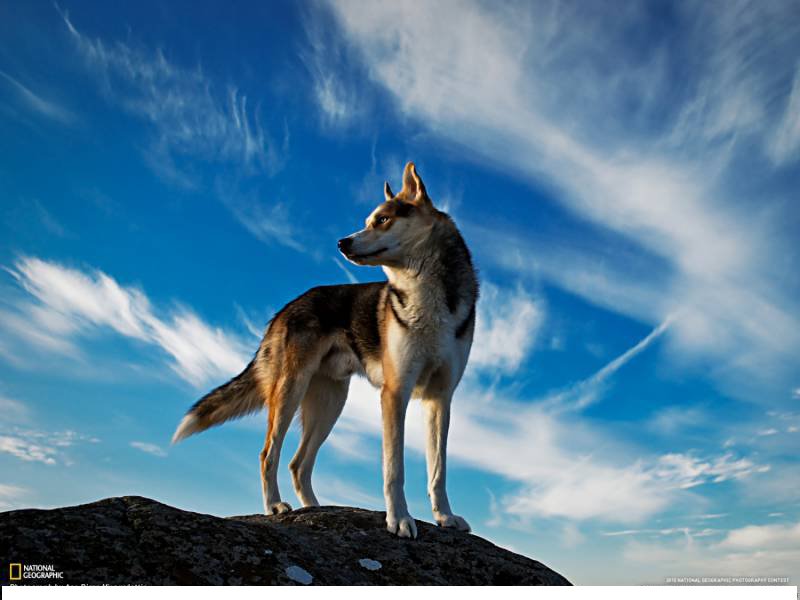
[410, 336]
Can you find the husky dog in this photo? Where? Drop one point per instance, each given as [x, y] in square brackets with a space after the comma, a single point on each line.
[410, 336]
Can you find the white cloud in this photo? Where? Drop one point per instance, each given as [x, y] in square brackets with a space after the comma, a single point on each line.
[148, 448]
[687, 533]
[69, 303]
[655, 561]
[345, 493]
[350, 444]
[676, 419]
[17, 325]
[27, 450]
[571, 536]
[760, 537]
[686, 471]
[33, 445]
[506, 328]
[11, 496]
[787, 132]
[13, 411]
[753, 550]
[37, 104]
[593, 491]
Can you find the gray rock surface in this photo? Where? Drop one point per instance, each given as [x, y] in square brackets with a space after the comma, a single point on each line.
[134, 540]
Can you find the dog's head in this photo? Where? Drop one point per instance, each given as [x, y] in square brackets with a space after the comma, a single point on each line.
[395, 228]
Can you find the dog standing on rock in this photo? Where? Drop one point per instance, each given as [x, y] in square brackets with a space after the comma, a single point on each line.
[410, 336]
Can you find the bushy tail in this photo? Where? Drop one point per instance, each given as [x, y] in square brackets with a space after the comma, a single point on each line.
[231, 400]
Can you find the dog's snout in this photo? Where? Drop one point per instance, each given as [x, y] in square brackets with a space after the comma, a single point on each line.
[345, 244]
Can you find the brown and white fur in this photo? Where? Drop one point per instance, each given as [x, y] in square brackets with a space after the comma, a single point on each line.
[410, 336]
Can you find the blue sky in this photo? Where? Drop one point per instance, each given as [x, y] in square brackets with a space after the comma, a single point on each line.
[172, 175]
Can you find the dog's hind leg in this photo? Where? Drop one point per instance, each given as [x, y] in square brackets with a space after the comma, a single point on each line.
[319, 410]
[283, 403]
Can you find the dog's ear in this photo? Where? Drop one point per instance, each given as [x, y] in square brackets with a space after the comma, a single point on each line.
[413, 189]
[387, 191]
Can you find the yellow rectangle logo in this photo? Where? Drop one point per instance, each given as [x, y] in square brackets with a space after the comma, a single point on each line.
[15, 571]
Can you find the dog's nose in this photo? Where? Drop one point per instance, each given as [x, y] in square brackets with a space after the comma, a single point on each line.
[345, 244]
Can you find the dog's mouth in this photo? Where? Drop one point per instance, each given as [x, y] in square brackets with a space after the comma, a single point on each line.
[368, 255]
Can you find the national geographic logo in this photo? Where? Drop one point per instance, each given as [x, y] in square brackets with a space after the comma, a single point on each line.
[21, 572]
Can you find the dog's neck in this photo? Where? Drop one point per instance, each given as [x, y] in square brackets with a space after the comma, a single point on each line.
[441, 270]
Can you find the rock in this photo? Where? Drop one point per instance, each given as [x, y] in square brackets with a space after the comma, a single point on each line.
[134, 540]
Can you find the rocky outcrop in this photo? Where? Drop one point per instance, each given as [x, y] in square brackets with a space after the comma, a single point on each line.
[134, 540]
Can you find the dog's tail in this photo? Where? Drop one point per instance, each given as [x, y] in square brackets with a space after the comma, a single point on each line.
[237, 398]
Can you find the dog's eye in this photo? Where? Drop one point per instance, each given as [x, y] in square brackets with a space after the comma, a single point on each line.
[381, 220]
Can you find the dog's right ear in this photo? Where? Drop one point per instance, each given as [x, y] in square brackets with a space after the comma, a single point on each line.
[413, 189]
[387, 191]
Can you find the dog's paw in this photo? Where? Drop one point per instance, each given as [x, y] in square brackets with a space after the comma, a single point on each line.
[403, 526]
[452, 521]
[278, 508]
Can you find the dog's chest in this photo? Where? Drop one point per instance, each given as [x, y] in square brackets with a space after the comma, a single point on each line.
[428, 328]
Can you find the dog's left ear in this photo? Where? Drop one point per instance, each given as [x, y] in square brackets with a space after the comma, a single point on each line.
[413, 188]
[387, 191]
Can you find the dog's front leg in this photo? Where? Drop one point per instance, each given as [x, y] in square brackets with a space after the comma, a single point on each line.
[393, 406]
[437, 421]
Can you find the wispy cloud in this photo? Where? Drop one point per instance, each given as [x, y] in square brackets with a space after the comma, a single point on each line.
[33, 445]
[13, 411]
[786, 141]
[686, 471]
[752, 550]
[534, 98]
[27, 450]
[195, 122]
[50, 223]
[253, 325]
[347, 272]
[68, 303]
[189, 116]
[270, 222]
[763, 536]
[11, 496]
[38, 104]
[686, 531]
[508, 322]
[338, 491]
[337, 93]
[675, 419]
[148, 448]
[584, 393]
[564, 467]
